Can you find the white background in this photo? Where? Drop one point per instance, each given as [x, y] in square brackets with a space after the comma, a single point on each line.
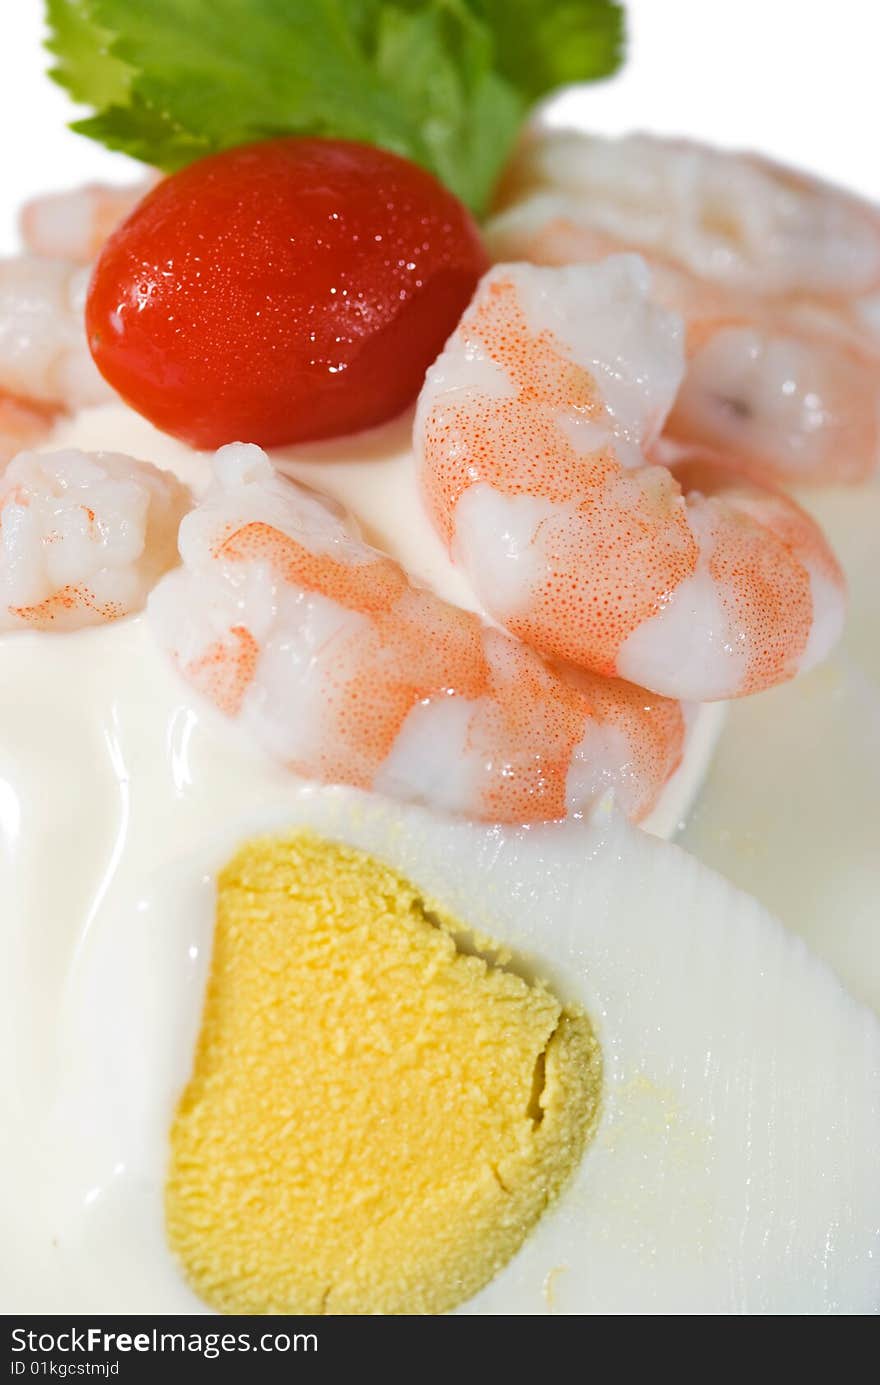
[795, 78]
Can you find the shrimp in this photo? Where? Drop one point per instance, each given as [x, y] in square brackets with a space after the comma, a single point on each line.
[343, 669]
[45, 365]
[730, 218]
[44, 357]
[74, 225]
[777, 277]
[532, 436]
[83, 537]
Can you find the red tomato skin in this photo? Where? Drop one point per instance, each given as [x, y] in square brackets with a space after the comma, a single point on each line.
[282, 292]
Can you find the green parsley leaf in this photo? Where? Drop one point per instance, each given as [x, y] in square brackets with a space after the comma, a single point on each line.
[443, 82]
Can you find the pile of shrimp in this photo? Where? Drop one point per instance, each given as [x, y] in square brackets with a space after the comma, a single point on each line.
[776, 276]
[593, 446]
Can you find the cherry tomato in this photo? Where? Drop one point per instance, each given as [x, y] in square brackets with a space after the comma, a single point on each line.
[282, 291]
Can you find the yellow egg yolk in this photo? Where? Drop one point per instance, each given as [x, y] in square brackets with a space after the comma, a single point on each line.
[378, 1113]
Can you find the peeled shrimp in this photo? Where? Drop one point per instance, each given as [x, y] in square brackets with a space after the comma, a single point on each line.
[777, 277]
[83, 537]
[343, 669]
[73, 225]
[44, 357]
[533, 433]
[731, 218]
[45, 365]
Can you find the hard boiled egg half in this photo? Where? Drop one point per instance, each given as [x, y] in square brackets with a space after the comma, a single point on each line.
[348, 1057]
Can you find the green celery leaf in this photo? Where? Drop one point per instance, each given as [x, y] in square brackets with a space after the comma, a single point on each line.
[85, 67]
[443, 82]
[542, 44]
[143, 133]
[437, 60]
